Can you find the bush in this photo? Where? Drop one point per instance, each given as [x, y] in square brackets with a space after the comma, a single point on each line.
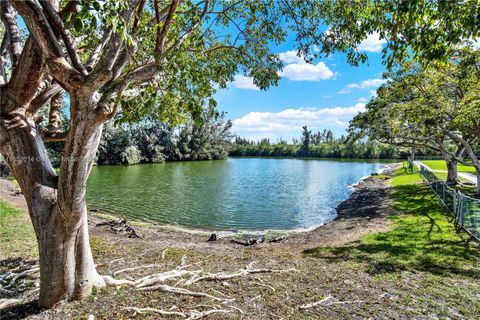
[131, 155]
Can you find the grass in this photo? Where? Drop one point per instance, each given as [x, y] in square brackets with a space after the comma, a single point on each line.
[422, 238]
[441, 165]
[17, 237]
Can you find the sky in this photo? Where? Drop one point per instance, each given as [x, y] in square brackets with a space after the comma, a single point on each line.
[326, 94]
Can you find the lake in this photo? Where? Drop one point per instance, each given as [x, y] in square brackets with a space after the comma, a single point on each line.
[238, 193]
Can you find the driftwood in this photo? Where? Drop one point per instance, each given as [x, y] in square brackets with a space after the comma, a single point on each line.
[120, 227]
[261, 239]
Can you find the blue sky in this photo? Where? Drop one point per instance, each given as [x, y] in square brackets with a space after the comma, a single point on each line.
[323, 95]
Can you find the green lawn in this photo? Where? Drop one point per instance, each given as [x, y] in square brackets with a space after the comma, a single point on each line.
[422, 238]
[17, 238]
[441, 165]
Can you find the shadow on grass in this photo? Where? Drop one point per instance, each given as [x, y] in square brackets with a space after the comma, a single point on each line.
[422, 238]
[21, 311]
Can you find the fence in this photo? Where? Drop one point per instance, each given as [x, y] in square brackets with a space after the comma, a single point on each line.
[435, 157]
[465, 210]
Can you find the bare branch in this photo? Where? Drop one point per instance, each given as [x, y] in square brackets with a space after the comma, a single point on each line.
[67, 39]
[43, 97]
[184, 36]
[48, 136]
[93, 59]
[12, 32]
[38, 25]
[161, 36]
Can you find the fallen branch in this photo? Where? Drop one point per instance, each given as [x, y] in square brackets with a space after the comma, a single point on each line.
[120, 226]
[7, 303]
[314, 304]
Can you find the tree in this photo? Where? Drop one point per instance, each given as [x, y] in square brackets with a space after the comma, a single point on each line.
[434, 106]
[158, 58]
[306, 139]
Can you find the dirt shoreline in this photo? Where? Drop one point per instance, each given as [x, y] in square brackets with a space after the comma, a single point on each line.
[363, 212]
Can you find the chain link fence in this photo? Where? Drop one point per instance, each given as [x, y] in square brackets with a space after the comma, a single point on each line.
[466, 210]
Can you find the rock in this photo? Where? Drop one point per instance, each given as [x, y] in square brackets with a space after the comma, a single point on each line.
[213, 237]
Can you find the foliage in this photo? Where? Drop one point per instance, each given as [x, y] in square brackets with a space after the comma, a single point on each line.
[435, 106]
[321, 145]
[423, 31]
[154, 142]
[131, 155]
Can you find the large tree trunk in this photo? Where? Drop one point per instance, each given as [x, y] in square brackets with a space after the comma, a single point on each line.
[56, 205]
[67, 270]
[452, 172]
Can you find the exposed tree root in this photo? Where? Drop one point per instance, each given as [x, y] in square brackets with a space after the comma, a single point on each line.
[116, 273]
[19, 285]
[229, 276]
[177, 290]
[191, 315]
[185, 278]
[326, 302]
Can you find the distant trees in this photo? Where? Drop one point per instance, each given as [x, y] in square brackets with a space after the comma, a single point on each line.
[319, 145]
[155, 142]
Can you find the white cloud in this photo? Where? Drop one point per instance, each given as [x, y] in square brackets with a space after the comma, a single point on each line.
[365, 84]
[362, 100]
[372, 43]
[344, 91]
[305, 71]
[291, 57]
[243, 82]
[297, 69]
[370, 83]
[288, 122]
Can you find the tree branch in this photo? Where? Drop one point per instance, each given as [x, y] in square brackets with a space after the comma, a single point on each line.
[12, 32]
[67, 40]
[43, 97]
[160, 40]
[191, 29]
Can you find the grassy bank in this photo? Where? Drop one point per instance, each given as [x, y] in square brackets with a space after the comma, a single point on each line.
[17, 237]
[441, 165]
[423, 237]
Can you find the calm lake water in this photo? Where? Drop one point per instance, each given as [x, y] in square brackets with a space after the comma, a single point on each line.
[238, 193]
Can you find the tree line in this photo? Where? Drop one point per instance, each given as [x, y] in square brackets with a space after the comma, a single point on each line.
[320, 144]
[153, 141]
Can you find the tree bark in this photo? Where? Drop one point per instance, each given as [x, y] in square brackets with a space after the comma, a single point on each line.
[452, 174]
[452, 165]
[57, 206]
